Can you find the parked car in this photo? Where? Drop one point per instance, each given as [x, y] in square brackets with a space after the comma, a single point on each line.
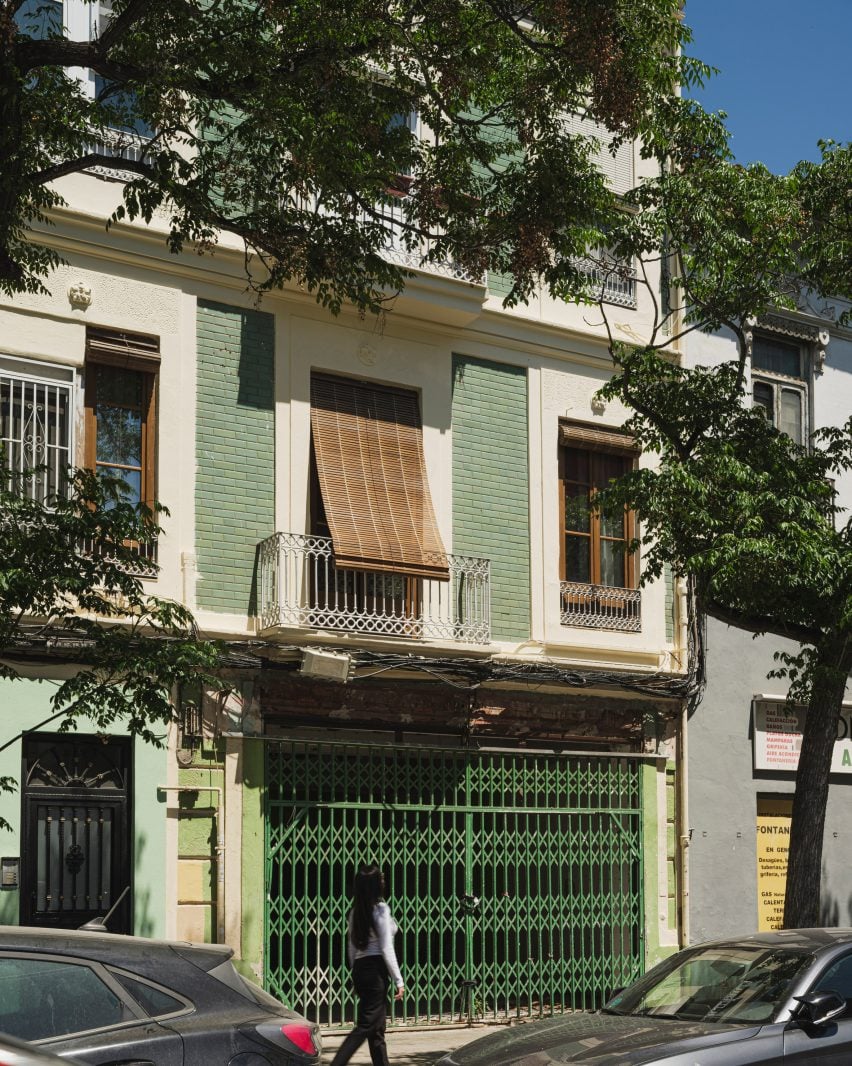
[19, 1053]
[114, 1000]
[773, 997]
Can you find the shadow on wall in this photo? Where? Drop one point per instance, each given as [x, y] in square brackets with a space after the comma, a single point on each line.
[256, 366]
[831, 913]
[143, 923]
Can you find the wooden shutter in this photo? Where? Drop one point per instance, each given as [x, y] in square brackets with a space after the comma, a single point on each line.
[368, 442]
[597, 438]
[618, 168]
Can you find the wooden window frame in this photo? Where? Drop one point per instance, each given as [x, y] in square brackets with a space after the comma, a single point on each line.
[140, 354]
[599, 443]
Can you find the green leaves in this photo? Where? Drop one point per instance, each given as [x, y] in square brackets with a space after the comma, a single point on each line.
[279, 123]
[71, 587]
[735, 504]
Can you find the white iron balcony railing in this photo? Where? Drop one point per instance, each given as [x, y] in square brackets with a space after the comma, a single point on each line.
[396, 250]
[120, 145]
[610, 279]
[600, 606]
[302, 588]
[143, 563]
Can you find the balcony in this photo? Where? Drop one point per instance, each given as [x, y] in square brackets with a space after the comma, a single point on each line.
[611, 280]
[414, 258]
[120, 145]
[600, 607]
[143, 563]
[302, 588]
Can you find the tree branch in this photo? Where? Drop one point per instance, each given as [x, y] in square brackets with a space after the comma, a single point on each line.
[94, 159]
[759, 624]
[120, 24]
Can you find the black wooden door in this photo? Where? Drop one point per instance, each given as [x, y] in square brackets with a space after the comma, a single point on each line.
[76, 822]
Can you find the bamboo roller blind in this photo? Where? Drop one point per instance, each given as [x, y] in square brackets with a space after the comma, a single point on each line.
[597, 438]
[368, 442]
[133, 351]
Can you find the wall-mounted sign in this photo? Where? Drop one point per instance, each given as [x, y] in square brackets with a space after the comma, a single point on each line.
[773, 844]
[778, 737]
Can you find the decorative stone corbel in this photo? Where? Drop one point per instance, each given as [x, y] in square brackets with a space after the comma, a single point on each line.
[80, 296]
[748, 334]
[819, 350]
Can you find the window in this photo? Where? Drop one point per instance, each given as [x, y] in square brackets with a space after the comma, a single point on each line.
[779, 385]
[121, 380]
[598, 574]
[40, 19]
[35, 423]
[41, 998]
[838, 978]
[371, 474]
[375, 541]
[153, 1000]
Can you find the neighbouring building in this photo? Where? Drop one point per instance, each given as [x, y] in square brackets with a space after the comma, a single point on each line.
[437, 658]
[742, 738]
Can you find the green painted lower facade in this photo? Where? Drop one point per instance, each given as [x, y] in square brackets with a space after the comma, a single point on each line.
[252, 886]
[491, 484]
[235, 452]
[26, 706]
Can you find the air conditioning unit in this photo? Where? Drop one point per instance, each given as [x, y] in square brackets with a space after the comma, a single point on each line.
[326, 665]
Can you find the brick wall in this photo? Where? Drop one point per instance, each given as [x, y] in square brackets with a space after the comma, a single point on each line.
[491, 484]
[235, 442]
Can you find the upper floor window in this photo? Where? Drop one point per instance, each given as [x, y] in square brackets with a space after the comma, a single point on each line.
[36, 423]
[780, 384]
[121, 392]
[598, 573]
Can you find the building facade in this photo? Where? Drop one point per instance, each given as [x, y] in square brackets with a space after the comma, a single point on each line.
[742, 738]
[436, 657]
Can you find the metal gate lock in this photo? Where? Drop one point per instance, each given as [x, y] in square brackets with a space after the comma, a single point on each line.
[469, 903]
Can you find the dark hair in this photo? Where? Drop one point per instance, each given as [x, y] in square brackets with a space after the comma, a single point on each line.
[369, 888]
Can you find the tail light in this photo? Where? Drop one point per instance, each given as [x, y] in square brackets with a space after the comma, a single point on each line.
[292, 1033]
[302, 1035]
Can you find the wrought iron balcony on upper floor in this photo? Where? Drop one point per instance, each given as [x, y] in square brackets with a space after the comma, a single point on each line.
[303, 588]
[600, 607]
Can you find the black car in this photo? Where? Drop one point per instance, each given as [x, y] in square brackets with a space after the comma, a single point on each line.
[114, 1000]
[20, 1053]
[770, 998]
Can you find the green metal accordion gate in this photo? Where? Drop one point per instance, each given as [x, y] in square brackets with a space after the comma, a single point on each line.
[516, 879]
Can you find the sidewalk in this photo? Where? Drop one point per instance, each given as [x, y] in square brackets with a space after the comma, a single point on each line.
[420, 1047]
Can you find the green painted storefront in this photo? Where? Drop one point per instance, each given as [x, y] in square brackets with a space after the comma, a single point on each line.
[517, 879]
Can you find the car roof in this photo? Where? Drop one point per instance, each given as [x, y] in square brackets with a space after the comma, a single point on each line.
[814, 940]
[113, 948]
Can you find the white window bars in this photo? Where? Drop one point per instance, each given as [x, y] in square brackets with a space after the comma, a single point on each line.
[35, 430]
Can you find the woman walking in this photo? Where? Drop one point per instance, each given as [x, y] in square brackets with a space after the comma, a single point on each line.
[373, 961]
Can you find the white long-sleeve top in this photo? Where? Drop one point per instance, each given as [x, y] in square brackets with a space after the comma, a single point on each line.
[380, 942]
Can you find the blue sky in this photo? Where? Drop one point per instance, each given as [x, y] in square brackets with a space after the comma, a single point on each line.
[784, 78]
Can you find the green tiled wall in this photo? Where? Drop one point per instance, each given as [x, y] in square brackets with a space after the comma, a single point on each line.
[491, 484]
[235, 453]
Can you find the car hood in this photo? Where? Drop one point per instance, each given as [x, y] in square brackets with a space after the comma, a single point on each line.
[602, 1039]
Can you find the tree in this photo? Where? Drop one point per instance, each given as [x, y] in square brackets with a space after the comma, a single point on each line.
[735, 507]
[70, 589]
[286, 125]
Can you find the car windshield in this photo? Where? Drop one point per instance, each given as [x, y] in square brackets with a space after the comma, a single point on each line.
[715, 984]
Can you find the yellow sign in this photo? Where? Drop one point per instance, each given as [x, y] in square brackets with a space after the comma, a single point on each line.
[773, 844]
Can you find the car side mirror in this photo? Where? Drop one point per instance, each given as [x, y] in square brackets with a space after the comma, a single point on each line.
[817, 1008]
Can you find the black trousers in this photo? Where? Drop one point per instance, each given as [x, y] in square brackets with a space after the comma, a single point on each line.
[370, 977]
